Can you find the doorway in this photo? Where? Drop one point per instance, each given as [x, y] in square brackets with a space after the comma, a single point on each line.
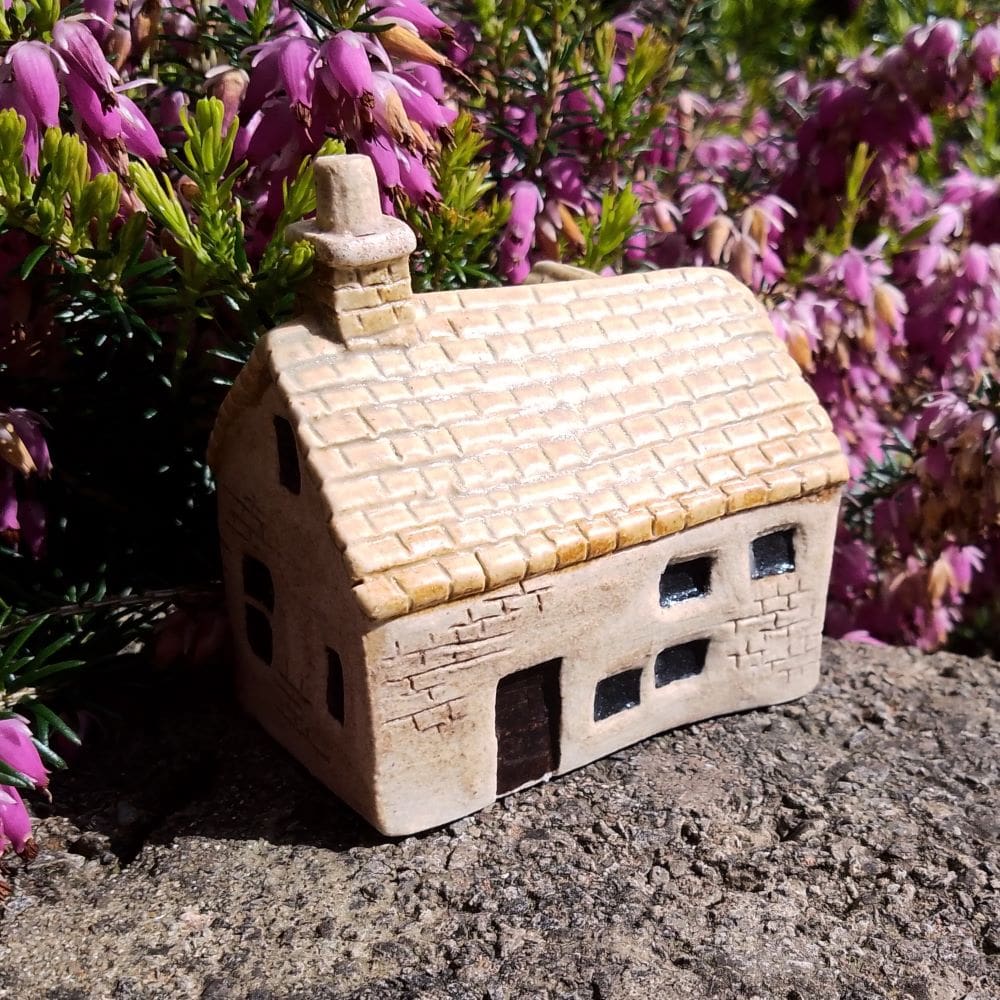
[527, 725]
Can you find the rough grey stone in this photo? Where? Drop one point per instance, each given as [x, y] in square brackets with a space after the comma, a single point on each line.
[841, 847]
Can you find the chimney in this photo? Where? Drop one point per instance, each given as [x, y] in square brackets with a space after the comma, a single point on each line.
[360, 285]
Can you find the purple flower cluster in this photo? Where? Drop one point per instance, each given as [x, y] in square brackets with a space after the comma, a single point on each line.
[37, 77]
[933, 541]
[379, 91]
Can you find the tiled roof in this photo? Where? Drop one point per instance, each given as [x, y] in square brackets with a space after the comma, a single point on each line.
[527, 429]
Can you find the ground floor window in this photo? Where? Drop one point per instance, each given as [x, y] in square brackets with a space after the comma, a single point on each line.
[617, 693]
[334, 684]
[258, 590]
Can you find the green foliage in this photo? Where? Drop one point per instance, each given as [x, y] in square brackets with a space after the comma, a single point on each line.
[215, 273]
[28, 19]
[457, 237]
[769, 37]
[622, 116]
[605, 239]
[879, 481]
[135, 529]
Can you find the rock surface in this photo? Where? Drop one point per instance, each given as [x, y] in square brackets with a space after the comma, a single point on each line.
[843, 846]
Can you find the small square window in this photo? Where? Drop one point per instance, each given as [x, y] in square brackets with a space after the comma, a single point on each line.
[288, 456]
[678, 662]
[683, 581]
[772, 554]
[259, 636]
[616, 693]
[334, 685]
[257, 582]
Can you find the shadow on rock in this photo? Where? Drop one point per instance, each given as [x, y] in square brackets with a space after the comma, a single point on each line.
[176, 756]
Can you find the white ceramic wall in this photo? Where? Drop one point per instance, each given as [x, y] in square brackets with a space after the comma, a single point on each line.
[436, 672]
[314, 609]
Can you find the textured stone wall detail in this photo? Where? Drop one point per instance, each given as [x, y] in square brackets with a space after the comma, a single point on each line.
[362, 301]
[243, 515]
[781, 625]
[428, 676]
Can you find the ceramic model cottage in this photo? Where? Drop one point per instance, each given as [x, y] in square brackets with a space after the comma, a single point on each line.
[474, 539]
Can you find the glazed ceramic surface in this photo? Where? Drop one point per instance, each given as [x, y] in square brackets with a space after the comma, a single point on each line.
[473, 539]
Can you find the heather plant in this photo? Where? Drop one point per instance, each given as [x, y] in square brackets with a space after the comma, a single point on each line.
[839, 159]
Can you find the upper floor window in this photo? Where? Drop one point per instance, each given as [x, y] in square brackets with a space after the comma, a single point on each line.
[678, 662]
[289, 474]
[682, 581]
[773, 554]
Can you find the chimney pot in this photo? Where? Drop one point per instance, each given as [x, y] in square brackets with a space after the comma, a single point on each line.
[347, 198]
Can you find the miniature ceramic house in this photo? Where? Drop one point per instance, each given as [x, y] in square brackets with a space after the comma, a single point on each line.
[475, 539]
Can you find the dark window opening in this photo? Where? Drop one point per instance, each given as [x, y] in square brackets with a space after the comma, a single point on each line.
[678, 662]
[773, 554]
[259, 634]
[334, 685]
[288, 456]
[257, 582]
[616, 693]
[684, 580]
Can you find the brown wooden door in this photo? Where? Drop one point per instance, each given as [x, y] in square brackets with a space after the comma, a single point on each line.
[527, 725]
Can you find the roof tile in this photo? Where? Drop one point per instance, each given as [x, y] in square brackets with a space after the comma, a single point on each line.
[541, 553]
[503, 563]
[571, 545]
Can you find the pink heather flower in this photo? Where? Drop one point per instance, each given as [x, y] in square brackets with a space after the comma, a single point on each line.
[15, 824]
[238, 10]
[938, 42]
[140, 137]
[414, 15]
[78, 47]
[18, 751]
[229, 85]
[723, 153]
[34, 76]
[34, 67]
[100, 17]
[424, 77]
[415, 180]
[385, 159]
[564, 180]
[525, 205]
[861, 636]
[345, 65]
[700, 204]
[419, 105]
[986, 53]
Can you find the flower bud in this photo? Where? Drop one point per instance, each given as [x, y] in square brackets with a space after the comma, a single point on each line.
[570, 229]
[939, 580]
[404, 44]
[228, 84]
[716, 234]
[798, 347]
[13, 450]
